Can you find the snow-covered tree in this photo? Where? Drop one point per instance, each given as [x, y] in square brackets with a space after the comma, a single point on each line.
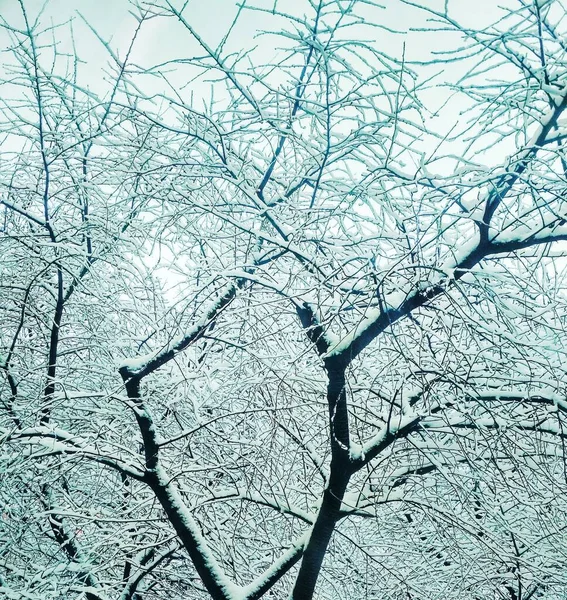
[283, 311]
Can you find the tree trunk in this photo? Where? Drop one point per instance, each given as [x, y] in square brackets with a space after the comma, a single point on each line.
[327, 518]
[340, 472]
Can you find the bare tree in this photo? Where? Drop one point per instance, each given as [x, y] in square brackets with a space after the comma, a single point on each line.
[286, 318]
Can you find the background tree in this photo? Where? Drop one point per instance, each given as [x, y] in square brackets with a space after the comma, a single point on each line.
[271, 327]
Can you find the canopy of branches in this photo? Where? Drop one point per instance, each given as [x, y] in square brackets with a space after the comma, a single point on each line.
[283, 301]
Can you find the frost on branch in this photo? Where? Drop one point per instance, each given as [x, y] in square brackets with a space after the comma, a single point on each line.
[282, 301]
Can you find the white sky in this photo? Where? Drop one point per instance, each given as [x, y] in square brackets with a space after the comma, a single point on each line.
[164, 39]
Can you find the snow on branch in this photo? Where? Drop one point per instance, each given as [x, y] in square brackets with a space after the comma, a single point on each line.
[277, 570]
[60, 442]
[140, 366]
[405, 425]
[481, 245]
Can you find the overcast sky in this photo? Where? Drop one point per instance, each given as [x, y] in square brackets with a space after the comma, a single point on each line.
[211, 18]
[164, 39]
